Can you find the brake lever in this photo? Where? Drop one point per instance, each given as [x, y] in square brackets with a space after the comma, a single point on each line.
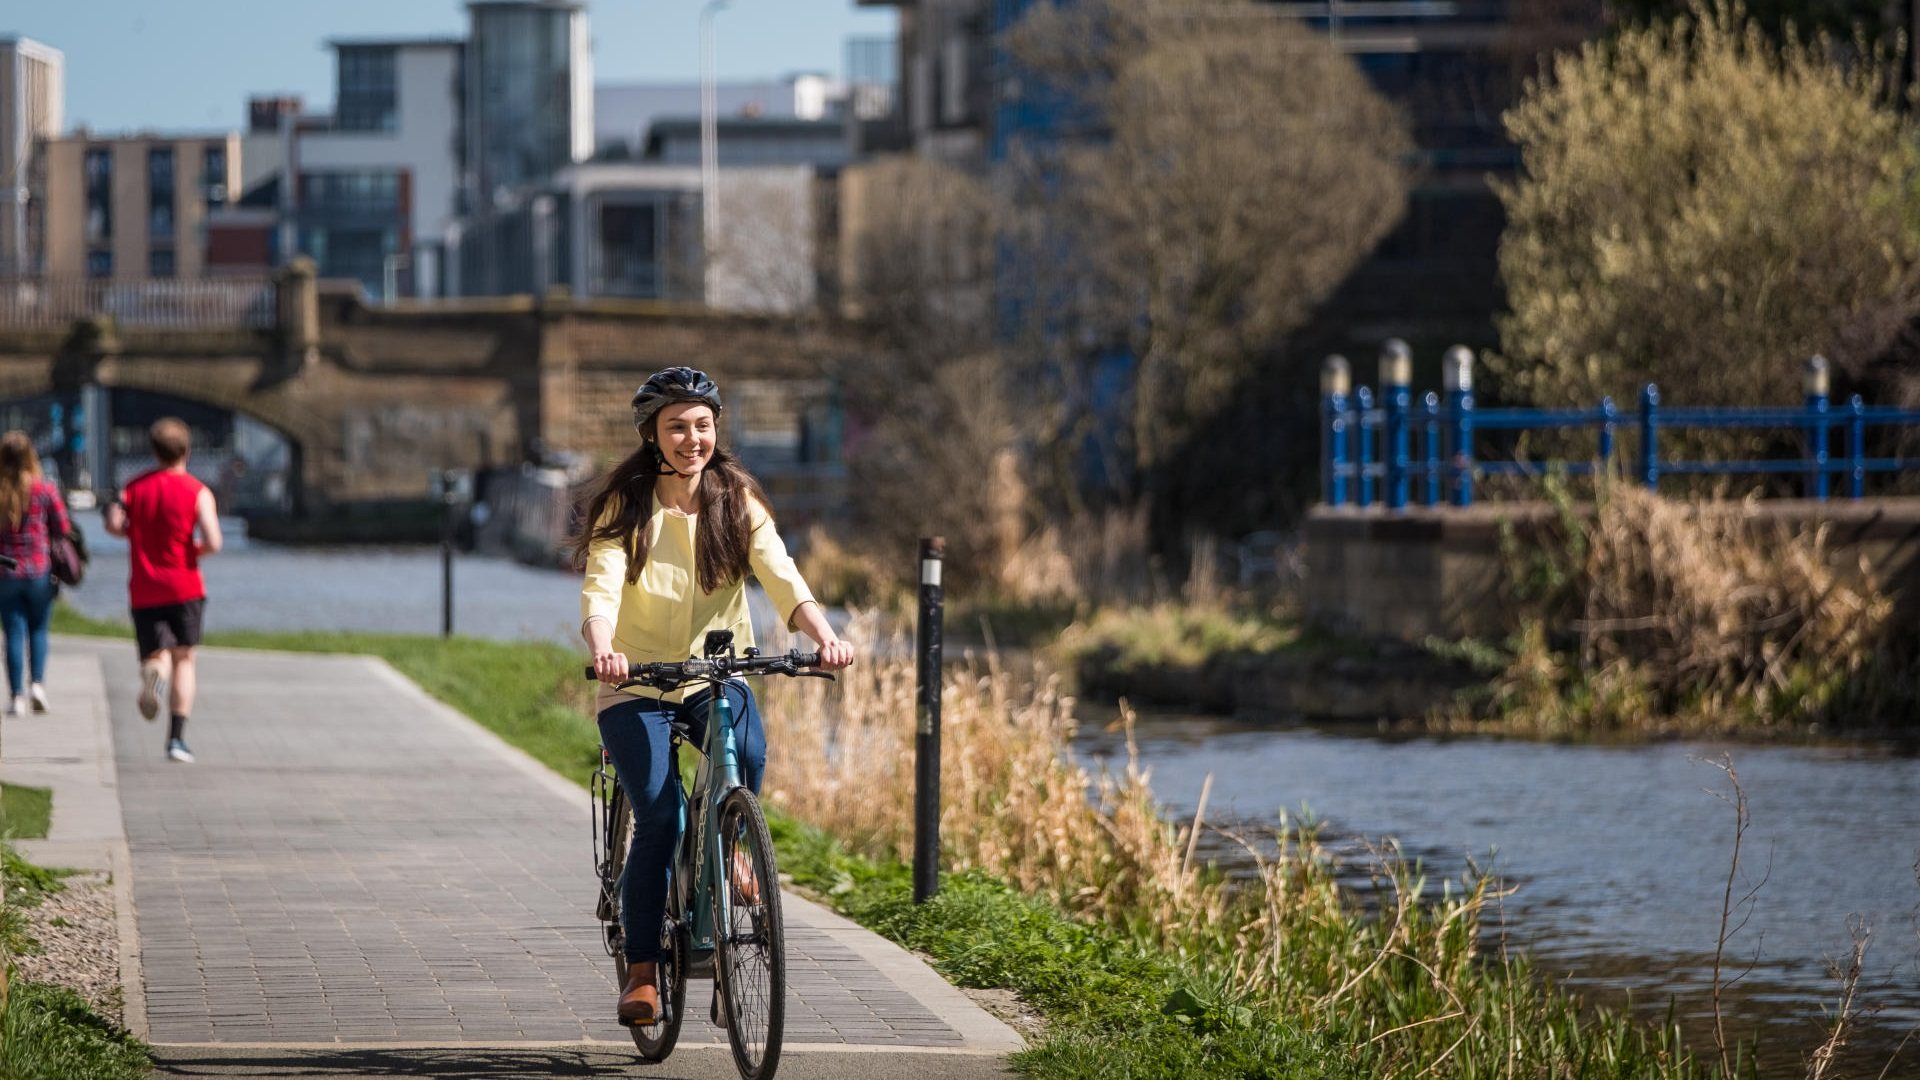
[663, 685]
[814, 675]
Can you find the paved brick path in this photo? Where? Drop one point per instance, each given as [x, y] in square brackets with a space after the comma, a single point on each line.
[351, 862]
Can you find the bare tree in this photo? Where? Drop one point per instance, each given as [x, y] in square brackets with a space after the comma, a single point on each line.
[762, 258]
[1225, 169]
[917, 273]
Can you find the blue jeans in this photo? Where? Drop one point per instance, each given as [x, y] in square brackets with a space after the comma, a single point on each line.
[636, 734]
[25, 604]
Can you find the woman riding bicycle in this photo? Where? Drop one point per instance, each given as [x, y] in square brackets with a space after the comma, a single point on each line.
[674, 531]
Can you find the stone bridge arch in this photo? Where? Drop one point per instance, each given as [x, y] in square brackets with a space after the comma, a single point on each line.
[375, 398]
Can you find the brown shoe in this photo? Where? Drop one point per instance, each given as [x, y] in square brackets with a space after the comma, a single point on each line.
[640, 998]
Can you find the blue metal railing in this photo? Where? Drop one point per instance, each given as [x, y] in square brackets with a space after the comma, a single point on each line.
[1367, 450]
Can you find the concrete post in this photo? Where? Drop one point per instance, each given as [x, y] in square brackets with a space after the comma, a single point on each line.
[1816, 382]
[1396, 388]
[299, 312]
[1335, 381]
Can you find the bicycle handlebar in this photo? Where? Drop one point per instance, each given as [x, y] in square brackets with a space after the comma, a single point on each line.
[720, 668]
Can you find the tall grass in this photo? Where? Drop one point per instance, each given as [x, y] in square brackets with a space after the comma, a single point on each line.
[1639, 612]
[1397, 977]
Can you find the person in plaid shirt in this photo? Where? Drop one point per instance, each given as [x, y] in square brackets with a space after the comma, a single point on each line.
[31, 515]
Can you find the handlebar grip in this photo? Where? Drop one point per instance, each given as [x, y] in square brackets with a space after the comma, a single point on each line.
[632, 671]
[806, 659]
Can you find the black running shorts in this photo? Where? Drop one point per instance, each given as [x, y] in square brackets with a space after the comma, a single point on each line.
[168, 626]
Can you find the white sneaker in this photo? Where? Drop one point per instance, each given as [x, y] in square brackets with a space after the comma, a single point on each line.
[150, 690]
[18, 706]
[177, 750]
[37, 694]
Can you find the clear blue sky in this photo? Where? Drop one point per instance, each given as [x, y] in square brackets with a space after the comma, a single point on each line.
[191, 63]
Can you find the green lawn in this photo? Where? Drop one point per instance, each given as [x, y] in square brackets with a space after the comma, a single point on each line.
[25, 812]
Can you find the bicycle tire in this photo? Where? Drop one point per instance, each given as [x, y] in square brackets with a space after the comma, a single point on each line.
[750, 955]
[654, 1041]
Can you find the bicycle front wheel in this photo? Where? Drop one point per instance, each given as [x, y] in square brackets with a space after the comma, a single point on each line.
[750, 955]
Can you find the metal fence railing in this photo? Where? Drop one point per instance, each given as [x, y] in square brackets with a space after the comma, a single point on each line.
[1368, 457]
[247, 303]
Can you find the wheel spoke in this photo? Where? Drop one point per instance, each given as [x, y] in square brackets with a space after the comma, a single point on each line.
[750, 959]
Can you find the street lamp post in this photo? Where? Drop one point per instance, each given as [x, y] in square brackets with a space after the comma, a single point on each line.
[709, 130]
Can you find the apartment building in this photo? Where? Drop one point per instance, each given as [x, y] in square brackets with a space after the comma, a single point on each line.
[376, 186]
[132, 207]
[32, 97]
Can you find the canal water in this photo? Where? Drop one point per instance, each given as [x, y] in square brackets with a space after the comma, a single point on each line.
[1617, 855]
[259, 586]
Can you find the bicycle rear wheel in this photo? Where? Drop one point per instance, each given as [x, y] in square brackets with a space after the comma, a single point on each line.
[654, 1041]
[750, 955]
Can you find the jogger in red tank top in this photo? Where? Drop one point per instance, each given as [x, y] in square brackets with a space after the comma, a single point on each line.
[160, 512]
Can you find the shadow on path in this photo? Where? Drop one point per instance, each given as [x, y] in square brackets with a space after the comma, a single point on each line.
[550, 1063]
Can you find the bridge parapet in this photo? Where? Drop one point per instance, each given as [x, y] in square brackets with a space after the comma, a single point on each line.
[57, 304]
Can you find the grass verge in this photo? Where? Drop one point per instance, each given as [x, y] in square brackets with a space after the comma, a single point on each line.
[25, 812]
[48, 1032]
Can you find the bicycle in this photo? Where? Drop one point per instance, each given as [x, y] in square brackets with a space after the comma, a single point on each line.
[723, 899]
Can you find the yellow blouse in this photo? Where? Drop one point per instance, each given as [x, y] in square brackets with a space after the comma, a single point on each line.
[664, 615]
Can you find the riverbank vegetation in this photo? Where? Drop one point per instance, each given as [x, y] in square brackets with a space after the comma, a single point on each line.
[1285, 973]
[1639, 615]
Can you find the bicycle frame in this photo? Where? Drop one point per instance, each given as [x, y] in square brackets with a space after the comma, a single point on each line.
[711, 787]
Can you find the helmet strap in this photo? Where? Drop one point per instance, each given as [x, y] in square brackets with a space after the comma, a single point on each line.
[660, 465]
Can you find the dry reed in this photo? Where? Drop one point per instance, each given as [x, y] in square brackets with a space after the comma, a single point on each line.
[1699, 613]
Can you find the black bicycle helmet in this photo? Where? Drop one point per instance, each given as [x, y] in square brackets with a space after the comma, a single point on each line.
[663, 388]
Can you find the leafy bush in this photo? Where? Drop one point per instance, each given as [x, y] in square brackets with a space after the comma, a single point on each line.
[1704, 207]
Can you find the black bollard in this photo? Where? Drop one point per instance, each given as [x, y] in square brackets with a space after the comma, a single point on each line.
[926, 741]
[446, 553]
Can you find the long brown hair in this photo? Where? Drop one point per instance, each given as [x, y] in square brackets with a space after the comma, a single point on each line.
[721, 539]
[19, 468]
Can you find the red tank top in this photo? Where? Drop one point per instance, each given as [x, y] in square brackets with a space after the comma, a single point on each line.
[160, 517]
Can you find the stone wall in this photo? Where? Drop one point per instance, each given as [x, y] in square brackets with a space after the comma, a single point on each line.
[1439, 572]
